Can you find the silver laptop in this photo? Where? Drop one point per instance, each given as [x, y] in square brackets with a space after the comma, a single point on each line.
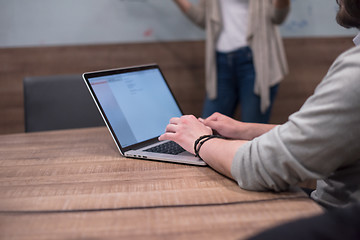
[136, 104]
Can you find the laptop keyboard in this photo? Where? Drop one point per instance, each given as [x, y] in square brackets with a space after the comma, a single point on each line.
[168, 148]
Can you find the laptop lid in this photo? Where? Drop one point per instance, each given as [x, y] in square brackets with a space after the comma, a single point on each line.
[136, 104]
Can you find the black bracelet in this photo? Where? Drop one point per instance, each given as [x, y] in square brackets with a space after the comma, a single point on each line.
[197, 142]
[201, 140]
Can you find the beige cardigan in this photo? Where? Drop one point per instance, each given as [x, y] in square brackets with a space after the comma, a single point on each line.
[263, 38]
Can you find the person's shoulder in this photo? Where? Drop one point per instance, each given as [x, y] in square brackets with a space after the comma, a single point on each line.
[350, 59]
[344, 75]
[350, 54]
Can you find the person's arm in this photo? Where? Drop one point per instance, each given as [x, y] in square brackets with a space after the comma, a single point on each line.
[280, 11]
[230, 128]
[316, 141]
[279, 4]
[195, 12]
[184, 5]
[218, 153]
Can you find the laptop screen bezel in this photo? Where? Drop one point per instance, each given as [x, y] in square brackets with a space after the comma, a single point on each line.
[102, 73]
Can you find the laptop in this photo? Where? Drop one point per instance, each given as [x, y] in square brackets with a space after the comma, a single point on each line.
[136, 104]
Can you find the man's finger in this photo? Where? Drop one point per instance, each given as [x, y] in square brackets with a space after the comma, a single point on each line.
[174, 120]
[171, 128]
[166, 136]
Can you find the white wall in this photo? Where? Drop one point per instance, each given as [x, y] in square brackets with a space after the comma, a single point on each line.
[64, 22]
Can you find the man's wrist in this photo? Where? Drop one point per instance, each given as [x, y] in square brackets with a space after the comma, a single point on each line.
[201, 140]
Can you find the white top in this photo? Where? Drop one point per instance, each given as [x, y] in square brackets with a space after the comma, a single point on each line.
[235, 25]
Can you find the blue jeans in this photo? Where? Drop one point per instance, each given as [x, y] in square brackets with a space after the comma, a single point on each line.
[236, 80]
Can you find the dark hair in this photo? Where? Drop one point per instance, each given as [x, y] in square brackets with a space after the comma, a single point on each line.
[349, 13]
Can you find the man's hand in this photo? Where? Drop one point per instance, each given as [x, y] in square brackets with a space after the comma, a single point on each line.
[184, 131]
[234, 129]
[223, 125]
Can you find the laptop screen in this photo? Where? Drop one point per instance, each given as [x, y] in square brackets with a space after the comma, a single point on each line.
[138, 104]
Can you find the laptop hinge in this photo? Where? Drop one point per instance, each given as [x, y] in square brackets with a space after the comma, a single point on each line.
[141, 145]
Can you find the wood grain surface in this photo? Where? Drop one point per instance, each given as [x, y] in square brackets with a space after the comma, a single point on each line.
[73, 184]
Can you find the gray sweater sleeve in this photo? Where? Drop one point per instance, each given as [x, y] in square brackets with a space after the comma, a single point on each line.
[323, 136]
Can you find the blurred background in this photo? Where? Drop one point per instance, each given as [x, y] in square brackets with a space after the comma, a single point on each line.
[52, 38]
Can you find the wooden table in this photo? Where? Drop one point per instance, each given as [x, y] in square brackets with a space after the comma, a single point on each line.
[73, 184]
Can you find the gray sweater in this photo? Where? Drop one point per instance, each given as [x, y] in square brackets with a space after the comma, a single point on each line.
[320, 141]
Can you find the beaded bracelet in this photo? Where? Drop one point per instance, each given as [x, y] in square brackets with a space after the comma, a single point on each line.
[201, 140]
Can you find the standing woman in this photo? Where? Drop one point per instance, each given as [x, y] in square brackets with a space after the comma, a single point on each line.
[245, 59]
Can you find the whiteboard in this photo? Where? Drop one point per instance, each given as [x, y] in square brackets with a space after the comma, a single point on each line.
[72, 22]
[314, 18]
